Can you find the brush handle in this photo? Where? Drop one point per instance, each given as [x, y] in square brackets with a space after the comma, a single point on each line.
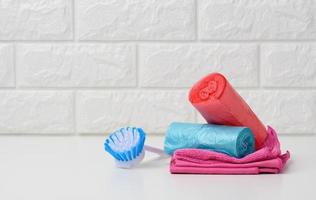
[155, 150]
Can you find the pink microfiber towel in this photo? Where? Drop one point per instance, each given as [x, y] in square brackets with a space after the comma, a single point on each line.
[268, 159]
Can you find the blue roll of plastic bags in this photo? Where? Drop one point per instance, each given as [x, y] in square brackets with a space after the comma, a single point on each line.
[232, 140]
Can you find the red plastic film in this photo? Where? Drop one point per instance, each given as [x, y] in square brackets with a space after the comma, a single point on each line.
[219, 103]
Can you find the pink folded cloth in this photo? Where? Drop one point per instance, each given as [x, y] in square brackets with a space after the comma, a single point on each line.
[268, 159]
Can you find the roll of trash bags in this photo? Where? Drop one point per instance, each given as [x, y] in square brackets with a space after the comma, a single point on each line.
[219, 103]
[231, 140]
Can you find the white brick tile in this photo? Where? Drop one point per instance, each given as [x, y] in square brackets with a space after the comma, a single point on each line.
[35, 20]
[291, 112]
[6, 65]
[99, 112]
[136, 20]
[288, 65]
[257, 19]
[36, 112]
[181, 65]
[76, 65]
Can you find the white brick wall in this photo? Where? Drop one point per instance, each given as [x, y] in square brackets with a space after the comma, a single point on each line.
[103, 111]
[180, 65]
[75, 65]
[36, 112]
[91, 66]
[257, 19]
[36, 20]
[135, 20]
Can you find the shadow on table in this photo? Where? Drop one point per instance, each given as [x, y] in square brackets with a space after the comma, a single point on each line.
[156, 162]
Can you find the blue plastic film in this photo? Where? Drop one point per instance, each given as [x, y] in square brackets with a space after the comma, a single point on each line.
[232, 140]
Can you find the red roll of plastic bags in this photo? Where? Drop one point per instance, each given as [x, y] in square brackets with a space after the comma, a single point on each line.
[219, 103]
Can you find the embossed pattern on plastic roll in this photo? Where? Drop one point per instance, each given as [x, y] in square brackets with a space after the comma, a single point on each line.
[231, 140]
[219, 103]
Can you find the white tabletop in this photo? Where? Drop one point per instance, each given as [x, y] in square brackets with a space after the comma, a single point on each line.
[74, 167]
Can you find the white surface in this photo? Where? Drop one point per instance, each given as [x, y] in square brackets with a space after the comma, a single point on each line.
[77, 168]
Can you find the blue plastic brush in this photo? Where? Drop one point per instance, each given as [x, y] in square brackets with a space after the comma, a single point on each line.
[126, 145]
